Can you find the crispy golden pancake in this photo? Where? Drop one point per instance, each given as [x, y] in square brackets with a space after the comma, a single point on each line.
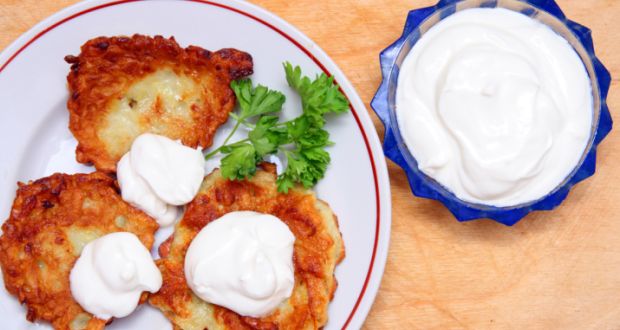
[318, 248]
[52, 219]
[121, 87]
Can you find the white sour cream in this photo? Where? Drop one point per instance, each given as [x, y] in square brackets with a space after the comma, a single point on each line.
[158, 174]
[495, 106]
[111, 274]
[136, 191]
[242, 261]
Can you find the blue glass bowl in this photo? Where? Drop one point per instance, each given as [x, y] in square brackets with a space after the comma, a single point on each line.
[421, 20]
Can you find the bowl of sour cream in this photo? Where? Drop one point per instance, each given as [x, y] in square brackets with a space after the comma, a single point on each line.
[494, 108]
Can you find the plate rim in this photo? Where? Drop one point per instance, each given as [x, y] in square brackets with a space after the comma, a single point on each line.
[363, 121]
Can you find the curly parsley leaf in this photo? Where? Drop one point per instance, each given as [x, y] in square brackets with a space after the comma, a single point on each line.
[297, 127]
[318, 159]
[240, 161]
[318, 97]
[265, 137]
[256, 101]
[306, 166]
[314, 137]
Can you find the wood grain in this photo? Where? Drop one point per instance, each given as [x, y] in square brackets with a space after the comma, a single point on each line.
[553, 270]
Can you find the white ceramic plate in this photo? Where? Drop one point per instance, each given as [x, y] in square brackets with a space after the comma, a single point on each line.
[36, 141]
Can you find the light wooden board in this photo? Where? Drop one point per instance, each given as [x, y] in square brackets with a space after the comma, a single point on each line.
[554, 270]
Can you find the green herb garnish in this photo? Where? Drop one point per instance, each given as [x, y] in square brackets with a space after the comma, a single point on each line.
[302, 140]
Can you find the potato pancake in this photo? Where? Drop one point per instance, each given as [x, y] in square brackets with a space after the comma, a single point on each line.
[121, 87]
[318, 248]
[52, 219]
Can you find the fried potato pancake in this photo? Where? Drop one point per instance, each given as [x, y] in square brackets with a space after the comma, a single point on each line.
[121, 87]
[52, 219]
[318, 248]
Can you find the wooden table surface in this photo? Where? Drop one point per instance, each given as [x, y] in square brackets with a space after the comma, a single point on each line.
[553, 270]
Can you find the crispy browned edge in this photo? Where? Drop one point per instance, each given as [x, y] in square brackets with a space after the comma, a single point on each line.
[108, 66]
[35, 253]
[297, 209]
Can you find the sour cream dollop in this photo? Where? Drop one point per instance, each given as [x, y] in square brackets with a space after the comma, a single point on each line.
[242, 261]
[158, 174]
[111, 274]
[495, 106]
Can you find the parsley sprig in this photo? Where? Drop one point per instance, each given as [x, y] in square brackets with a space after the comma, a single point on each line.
[301, 140]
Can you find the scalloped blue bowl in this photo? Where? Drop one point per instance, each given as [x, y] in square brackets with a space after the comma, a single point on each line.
[421, 20]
